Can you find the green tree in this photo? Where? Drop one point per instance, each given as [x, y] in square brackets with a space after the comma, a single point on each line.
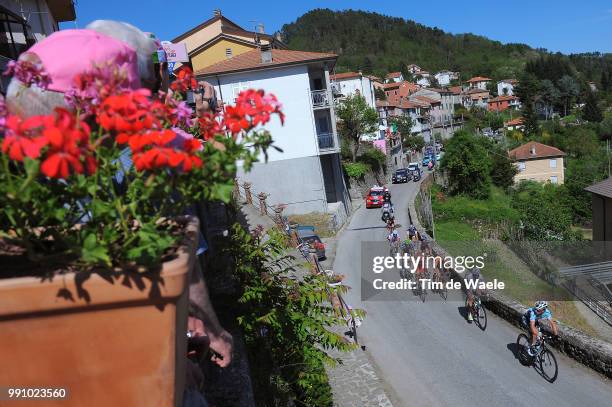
[543, 214]
[380, 94]
[355, 119]
[569, 90]
[467, 166]
[591, 111]
[503, 169]
[579, 174]
[527, 90]
[549, 95]
[605, 128]
[403, 124]
[415, 142]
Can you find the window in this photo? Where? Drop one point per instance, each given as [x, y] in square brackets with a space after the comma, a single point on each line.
[521, 166]
[553, 180]
[553, 163]
[228, 52]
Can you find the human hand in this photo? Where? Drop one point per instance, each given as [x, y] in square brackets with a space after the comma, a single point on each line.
[222, 346]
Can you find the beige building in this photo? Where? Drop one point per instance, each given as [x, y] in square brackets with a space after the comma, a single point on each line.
[219, 39]
[538, 162]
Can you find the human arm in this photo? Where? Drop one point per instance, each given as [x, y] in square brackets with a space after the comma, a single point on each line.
[205, 322]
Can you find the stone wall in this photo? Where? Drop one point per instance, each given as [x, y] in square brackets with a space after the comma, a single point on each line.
[359, 188]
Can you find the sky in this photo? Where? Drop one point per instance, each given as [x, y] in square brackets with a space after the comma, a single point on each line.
[557, 25]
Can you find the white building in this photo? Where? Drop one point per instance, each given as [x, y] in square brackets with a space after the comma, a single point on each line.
[25, 22]
[444, 78]
[443, 109]
[412, 68]
[350, 83]
[307, 174]
[394, 77]
[478, 82]
[505, 87]
[422, 79]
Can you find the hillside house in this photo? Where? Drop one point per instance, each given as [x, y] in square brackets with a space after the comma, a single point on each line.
[350, 83]
[514, 124]
[394, 77]
[505, 87]
[307, 174]
[478, 82]
[444, 78]
[538, 162]
[219, 39]
[501, 103]
[475, 97]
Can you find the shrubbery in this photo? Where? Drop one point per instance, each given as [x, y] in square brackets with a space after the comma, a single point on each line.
[355, 170]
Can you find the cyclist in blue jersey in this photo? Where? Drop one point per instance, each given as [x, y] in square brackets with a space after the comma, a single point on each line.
[532, 319]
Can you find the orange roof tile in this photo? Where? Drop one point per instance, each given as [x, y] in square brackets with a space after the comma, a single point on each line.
[514, 122]
[394, 74]
[479, 79]
[502, 98]
[252, 61]
[534, 150]
[345, 75]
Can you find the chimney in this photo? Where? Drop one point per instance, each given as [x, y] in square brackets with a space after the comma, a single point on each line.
[266, 53]
[532, 150]
[260, 29]
[217, 12]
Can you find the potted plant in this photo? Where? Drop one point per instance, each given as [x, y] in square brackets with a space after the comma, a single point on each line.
[95, 244]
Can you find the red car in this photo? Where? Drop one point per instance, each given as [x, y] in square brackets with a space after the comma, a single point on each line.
[375, 197]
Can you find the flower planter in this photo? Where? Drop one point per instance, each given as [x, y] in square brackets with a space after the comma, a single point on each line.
[125, 347]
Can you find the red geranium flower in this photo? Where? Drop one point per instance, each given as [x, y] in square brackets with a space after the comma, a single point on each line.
[185, 80]
[209, 126]
[22, 138]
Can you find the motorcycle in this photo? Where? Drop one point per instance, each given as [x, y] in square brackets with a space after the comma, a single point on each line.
[387, 212]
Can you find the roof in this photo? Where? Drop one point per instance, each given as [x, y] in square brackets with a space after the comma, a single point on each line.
[425, 99]
[502, 98]
[251, 60]
[394, 74]
[391, 85]
[455, 90]
[526, 151]
[514, 122]
[439, 90]
[345, 75]
[203, 25]
[603, 188]
[479, 79]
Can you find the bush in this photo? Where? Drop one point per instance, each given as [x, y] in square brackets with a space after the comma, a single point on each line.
[373, 157]
[355, 170]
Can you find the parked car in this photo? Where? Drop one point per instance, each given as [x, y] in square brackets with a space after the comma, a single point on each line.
[400, 176]
[426, 161]
[307, 234]
[438, 157]
[413, 166]
[375, 197]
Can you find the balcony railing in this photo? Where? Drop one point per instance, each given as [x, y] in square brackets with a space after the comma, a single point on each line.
[320, 98]
[326, 141]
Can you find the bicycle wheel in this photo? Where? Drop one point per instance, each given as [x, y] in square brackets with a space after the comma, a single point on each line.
[548, 365]
[522, 344]
[481, 317]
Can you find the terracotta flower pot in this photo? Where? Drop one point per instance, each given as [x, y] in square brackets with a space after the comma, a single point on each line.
[127, 346]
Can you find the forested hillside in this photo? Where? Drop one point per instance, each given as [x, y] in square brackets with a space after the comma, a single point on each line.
[378, 44]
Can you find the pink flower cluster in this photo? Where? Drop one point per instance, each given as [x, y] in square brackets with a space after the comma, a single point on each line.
[28, 73]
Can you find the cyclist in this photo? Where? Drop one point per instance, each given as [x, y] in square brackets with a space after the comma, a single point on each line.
[393, 237]
[390, 224]
[532, 319]
[473, 275]
[437, 268]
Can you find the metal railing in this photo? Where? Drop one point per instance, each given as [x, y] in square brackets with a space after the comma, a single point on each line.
[326, 140]
[587, 300]
[320, 98]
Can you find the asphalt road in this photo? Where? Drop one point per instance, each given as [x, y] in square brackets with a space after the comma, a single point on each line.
[428, 355]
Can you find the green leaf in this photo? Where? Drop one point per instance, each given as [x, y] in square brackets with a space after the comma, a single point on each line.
[93, 252]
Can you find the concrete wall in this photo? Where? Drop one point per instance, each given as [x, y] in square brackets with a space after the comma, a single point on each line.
[540, 170]
[291, 85]
[363, 84]
[216, 53]
[296, 182]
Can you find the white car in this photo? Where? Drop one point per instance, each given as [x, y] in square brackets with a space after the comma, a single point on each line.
[413, 166]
